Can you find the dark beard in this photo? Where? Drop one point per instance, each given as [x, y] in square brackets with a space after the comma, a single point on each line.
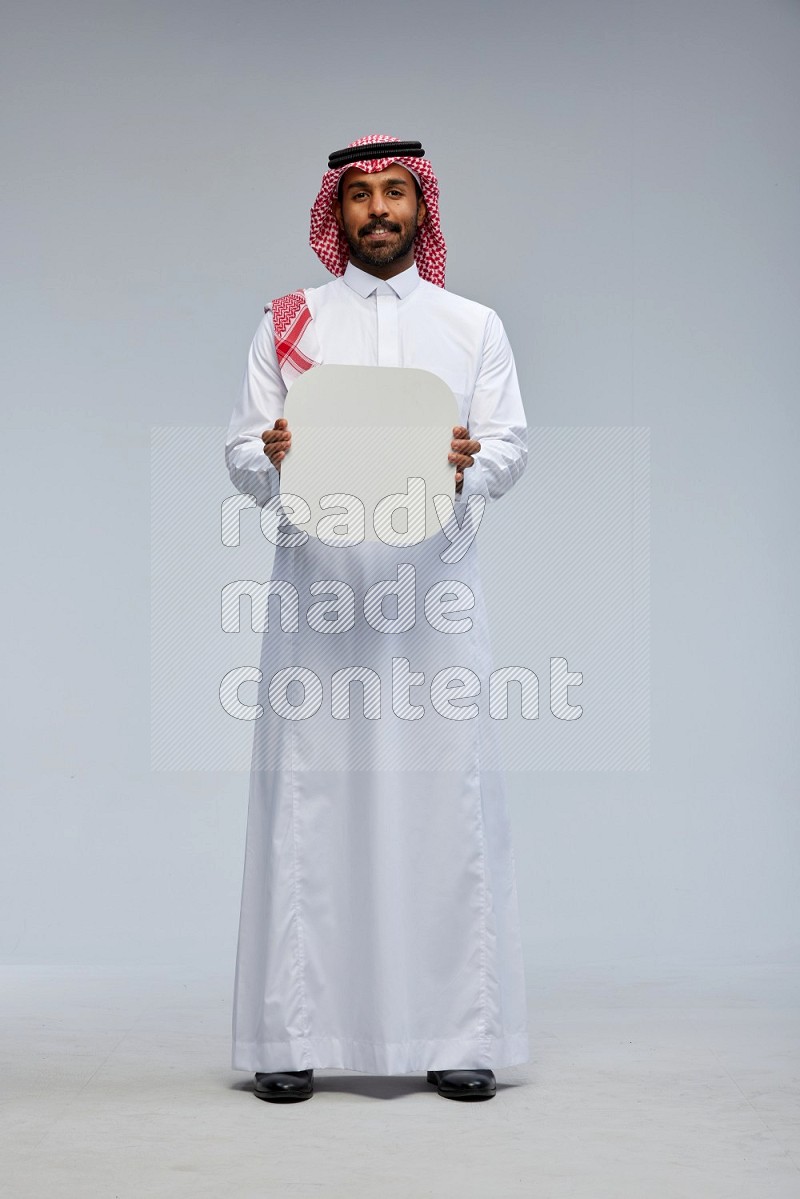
[381, 255]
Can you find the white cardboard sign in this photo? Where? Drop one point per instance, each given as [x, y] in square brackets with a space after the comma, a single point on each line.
[365, 432]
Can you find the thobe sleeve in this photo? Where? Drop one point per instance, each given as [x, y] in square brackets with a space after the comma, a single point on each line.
[496, 419]
[260, 404]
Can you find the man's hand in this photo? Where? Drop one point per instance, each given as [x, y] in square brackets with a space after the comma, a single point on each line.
[463, 450]
[277, 442]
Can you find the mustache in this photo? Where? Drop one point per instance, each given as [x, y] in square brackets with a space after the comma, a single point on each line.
[374, 226]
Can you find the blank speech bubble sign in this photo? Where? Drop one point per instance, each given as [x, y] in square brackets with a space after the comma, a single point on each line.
[364, 431]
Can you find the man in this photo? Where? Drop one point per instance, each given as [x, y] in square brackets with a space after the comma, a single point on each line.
[379, 928]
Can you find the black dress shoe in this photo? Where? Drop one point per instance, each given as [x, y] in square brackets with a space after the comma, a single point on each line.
[285, 1086]
[464, 1084]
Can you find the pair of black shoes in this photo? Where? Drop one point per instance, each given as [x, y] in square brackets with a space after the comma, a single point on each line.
[290, 1086]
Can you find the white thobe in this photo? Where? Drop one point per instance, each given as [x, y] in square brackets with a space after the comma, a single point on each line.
[379, 926]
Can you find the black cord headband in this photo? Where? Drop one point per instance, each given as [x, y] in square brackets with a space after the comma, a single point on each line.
[341, 158]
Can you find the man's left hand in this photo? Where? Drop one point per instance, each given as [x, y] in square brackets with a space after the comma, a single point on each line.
[463, 450]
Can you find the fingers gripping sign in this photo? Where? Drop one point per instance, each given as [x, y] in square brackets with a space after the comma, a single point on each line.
[277, 442]
[463, 450]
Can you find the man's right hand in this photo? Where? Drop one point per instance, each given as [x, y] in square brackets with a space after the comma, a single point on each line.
[277, 442]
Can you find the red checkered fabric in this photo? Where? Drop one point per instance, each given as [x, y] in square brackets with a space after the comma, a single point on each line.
[330, 244]
[290, 319]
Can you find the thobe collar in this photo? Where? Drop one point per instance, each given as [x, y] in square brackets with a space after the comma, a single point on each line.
[365, 284]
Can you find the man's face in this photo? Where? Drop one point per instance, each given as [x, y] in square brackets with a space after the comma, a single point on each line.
[379, 214]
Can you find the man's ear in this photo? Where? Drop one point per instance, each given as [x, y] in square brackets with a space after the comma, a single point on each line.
[422, 211]
[337, 212]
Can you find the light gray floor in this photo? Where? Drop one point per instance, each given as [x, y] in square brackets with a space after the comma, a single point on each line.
[117, 1085]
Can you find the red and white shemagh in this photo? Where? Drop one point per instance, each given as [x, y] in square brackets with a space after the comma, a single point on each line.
[329, 243]
[295, 340]
[292, 323]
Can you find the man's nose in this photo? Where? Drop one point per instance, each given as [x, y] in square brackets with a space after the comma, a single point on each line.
[377, 206]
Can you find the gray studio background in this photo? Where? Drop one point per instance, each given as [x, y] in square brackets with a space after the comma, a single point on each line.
[619, 181]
